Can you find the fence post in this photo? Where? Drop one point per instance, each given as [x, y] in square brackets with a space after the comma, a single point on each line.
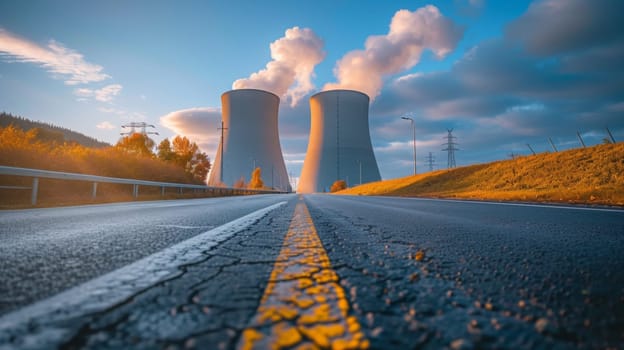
[35, 189]
[94, 190]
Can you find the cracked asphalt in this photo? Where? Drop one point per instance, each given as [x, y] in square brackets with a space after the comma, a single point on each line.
[45, 251]
[382, 273]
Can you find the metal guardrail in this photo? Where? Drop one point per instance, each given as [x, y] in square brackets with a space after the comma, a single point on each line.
[37, 173]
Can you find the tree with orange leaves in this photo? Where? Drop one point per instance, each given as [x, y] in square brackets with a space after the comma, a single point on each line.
[256, 179]
[136, 143]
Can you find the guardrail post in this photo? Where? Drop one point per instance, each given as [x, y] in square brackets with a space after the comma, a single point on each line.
[35, 189]
[162, 191]
[94, 191]
[135, 191]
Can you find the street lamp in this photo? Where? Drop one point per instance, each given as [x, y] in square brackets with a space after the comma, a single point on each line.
[360, 163]
[414, 133]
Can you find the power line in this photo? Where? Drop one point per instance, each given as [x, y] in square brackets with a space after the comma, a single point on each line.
[141, 125]
[450, 148]
[430, 161]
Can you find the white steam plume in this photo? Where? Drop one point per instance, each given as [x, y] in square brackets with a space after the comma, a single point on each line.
[294, 57]
[410, 34]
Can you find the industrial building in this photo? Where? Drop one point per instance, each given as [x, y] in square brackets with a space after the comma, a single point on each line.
[340, 146]
[250, 139]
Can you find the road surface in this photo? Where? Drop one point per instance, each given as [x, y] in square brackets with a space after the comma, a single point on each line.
[314, 270]
[44, 251]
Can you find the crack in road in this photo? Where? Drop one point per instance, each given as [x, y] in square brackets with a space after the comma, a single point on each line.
[53, 320]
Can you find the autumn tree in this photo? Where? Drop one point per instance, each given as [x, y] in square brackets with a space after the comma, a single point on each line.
[136, 143]
[256, 179]
[240, 183]
[164, 151]
[338, 185]
[186, 154]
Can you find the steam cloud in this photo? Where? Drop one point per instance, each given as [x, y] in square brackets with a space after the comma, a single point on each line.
[200, 125]
[294, 57]
[410, 34]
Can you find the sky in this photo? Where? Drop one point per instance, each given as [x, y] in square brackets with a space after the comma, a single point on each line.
[500, 74]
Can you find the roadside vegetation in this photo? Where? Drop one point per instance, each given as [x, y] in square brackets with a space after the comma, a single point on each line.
[338, 185]
[593, 175]
[133, 157]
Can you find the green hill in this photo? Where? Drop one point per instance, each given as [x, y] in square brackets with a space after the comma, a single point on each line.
[593, 175]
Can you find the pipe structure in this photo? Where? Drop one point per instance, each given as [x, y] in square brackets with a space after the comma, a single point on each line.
[250, 139]
[339, 147]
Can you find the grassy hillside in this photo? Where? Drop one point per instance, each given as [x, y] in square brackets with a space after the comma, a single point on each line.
[51, 131]
[591, 175]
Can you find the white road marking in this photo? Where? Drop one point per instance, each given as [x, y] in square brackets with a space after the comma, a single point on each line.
[38, 325]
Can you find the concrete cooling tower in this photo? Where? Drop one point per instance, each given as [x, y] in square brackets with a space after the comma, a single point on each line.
[250, 139]
[340, 146]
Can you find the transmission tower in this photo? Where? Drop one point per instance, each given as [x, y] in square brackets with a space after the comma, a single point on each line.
[450, 148]
[142, 126]
[430, 161]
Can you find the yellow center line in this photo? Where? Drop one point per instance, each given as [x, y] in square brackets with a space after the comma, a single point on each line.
[303, 306]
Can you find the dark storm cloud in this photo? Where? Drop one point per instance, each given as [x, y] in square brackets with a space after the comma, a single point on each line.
[551, 27]
[556, 71]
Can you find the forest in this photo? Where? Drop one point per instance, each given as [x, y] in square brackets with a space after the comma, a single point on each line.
[25, 124]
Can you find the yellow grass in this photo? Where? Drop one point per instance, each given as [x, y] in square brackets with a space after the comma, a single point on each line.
[593, 175]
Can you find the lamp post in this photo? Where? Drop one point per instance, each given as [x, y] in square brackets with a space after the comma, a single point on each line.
[414, 141]
[360, 163]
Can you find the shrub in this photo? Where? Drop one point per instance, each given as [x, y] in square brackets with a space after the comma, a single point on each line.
[339, 185]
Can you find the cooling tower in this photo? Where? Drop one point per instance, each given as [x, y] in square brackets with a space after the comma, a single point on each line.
[250, 139]
[339, 147]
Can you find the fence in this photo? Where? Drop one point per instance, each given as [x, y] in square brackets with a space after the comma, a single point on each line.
[36, 174]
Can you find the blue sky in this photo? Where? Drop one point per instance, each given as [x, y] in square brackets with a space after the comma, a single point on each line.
[500, 73]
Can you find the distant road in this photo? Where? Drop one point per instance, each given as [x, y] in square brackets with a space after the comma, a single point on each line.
[409, 273]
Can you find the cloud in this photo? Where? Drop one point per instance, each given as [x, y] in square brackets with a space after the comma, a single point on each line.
[511, 91]
[200, 125]
[62, 62]
[294, 57]
[469, 8]
[552, 27]
[105, 94]
[105, 125]
[112, 110]
[125, 116]
[410, 34]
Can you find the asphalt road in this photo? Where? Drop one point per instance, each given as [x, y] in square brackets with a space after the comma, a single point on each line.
[383, 273]
[45, 251]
